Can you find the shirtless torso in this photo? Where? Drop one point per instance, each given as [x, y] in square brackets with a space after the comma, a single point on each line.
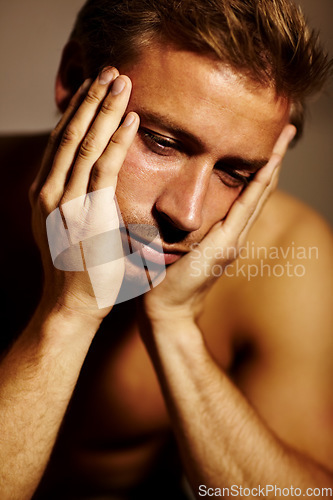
[268, 332]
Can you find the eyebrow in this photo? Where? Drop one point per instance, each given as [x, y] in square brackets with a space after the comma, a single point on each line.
[234, 161]
[238, 162]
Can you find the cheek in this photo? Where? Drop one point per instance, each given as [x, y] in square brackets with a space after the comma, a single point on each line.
[219, 200]
[135, 182]
[142, 177]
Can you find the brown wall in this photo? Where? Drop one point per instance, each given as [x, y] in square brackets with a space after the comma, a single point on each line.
[32, 33]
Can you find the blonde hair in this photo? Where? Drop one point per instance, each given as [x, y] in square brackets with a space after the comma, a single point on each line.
[267, 40]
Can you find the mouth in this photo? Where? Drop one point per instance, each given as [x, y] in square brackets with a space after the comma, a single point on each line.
[152, 251]
[158, 257]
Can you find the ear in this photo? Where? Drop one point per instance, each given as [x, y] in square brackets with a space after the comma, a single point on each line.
[71, 74]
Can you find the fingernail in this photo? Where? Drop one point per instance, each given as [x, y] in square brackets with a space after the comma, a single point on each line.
[118, 86]
[292, 134]
[106, 76]
[129, 120]
[85, 85]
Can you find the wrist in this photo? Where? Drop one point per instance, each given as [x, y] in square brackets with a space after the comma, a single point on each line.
[170, 329]
[161, 313]
[170, 343]
[57, 320]
[172, 323]
[77, 305]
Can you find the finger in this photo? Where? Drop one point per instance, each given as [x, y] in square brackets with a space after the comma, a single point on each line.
[55, 137]
[76, 130]
[98, 137]
[245, 208]
[279, 150]
[246, 204]
[262, 201]
[105, 170]
[285, 138]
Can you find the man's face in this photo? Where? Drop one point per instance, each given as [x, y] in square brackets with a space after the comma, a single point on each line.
[204, 129]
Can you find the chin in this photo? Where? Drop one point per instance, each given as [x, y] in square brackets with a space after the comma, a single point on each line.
[139, 277]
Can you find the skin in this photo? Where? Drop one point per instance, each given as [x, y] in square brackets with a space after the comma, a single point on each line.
[185, 189]
[53, 347]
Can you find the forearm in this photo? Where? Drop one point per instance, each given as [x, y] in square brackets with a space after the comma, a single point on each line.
[38, 376]
[221, 438]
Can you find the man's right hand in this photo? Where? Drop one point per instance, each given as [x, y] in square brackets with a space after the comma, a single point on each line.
[84, 155]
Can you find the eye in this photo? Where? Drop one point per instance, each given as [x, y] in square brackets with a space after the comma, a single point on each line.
[234, 178]
[159, 144]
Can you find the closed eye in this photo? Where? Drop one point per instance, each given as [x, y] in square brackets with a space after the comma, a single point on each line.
[165, 146]
[234, 178]
[159, 144]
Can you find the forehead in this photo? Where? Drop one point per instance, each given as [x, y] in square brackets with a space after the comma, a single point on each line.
[207, 98]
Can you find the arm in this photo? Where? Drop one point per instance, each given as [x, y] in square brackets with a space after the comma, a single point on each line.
[223, 438]
[38, 376]
[40, 371]
[291, 383]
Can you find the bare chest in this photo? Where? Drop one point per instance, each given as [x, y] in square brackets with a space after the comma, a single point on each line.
[117, 429]
[118, 398]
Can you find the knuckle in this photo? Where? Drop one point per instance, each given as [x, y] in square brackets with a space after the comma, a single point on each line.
[92, 97]
[229, 236]
[267, 182]
[240, 202]
[89, 146]
[117, 140]
[251, 207]
[44, 200]
[102, 167]
[277, 157]
[262, 182]
[70, 135]
[66, 197]
[96, 175]
[107, 107]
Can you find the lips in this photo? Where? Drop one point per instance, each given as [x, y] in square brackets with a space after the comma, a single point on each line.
[154, 252]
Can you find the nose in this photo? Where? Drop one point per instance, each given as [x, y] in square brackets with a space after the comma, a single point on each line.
[182, 200]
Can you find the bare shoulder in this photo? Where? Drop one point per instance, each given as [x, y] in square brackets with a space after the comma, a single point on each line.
[286, 263]
[294, 248]
[292, 270]
[285, 218]
[279, 302]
